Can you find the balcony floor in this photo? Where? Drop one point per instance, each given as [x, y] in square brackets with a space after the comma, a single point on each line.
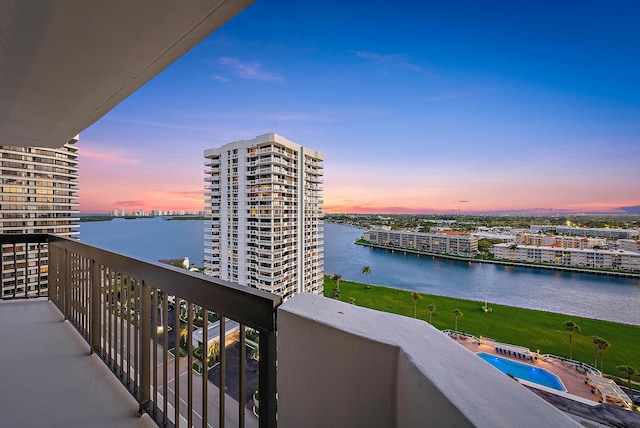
[49, 378]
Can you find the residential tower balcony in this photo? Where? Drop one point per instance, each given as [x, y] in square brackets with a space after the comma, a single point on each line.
[94, 348]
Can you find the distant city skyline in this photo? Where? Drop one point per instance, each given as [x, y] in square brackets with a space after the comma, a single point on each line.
[419, 107]
[142, 212]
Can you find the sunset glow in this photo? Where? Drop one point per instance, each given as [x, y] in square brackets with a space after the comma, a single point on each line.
[419, 107]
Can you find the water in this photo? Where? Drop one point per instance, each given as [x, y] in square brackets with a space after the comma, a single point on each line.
[523, 371]
[592, 296]
[148, 238]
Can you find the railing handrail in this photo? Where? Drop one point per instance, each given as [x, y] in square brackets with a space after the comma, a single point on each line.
[576, 363]
[116, 301]
[252, 307]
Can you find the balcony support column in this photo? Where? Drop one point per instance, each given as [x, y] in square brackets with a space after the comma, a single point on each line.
[94, 299]
[267, 381]
[144, 393]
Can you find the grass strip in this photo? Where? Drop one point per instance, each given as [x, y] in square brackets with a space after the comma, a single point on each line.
[536, 330]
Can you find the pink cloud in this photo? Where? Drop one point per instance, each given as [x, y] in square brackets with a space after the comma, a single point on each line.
[112, 158]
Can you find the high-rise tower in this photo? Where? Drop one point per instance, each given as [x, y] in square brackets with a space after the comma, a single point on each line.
[38, 195]
[264, 197]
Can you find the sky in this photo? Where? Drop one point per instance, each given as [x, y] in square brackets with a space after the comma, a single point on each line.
[417, 106]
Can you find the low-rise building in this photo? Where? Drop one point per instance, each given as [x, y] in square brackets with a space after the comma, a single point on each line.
[456, 243]
[629, 245]
[550, 240]
[596, 232]
[590, 258]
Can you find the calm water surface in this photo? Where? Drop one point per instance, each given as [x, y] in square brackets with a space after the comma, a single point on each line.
[593, 296]
[148, 238]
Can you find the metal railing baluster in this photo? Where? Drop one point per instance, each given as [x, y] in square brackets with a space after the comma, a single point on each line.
[223, 369]
[108, 298]
[15, 271]
[205, 367]
[189, 364]
[154, 347]
[165, 358]
[241, 377]
[130, 326]
[124, 319]
[95, 306]
[176, 360]
[145, 343]
[136, 341]
[26, 269]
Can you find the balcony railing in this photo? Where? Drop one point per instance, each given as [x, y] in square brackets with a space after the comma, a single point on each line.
[127, 310]
[396, 371]
[20, 279]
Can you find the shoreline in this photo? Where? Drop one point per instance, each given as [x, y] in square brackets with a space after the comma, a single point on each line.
[537, 329]
[479, 301]
[503, 262]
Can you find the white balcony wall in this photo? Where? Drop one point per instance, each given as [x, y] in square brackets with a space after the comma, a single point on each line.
[340, 365]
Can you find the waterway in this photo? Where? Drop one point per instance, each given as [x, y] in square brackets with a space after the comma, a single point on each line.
[593, 296]
[148, 238]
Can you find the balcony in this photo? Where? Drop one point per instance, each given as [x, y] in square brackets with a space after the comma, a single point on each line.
[108, 362]
[93, 349]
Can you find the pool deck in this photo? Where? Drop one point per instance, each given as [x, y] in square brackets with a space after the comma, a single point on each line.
[572, 379]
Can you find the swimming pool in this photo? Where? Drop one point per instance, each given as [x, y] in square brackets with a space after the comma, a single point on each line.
[524, 371]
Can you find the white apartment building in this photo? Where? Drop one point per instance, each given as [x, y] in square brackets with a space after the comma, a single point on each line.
[599, 259]
[629, 244]
[38, 195]
[451, 243]
[548, 240]
[598, 232]
[264, 197]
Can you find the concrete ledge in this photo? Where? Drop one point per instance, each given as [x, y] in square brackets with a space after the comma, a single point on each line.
[340, 365]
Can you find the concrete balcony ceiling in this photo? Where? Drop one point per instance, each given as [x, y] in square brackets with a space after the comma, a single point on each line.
[65, 63]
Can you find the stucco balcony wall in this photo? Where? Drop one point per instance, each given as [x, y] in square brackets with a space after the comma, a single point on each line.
[340, 365]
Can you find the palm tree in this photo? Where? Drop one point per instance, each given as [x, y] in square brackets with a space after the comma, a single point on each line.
[416, 296]
[571, 327]
[595, 361]
[367, 271]
[337, 277]
[431, 308]
[600, 345]
[457, 313]
[628, 371]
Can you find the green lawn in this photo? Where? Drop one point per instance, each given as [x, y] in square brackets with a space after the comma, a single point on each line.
[537, 330]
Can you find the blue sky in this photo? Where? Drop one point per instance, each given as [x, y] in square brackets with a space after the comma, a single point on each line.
[417, 106]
